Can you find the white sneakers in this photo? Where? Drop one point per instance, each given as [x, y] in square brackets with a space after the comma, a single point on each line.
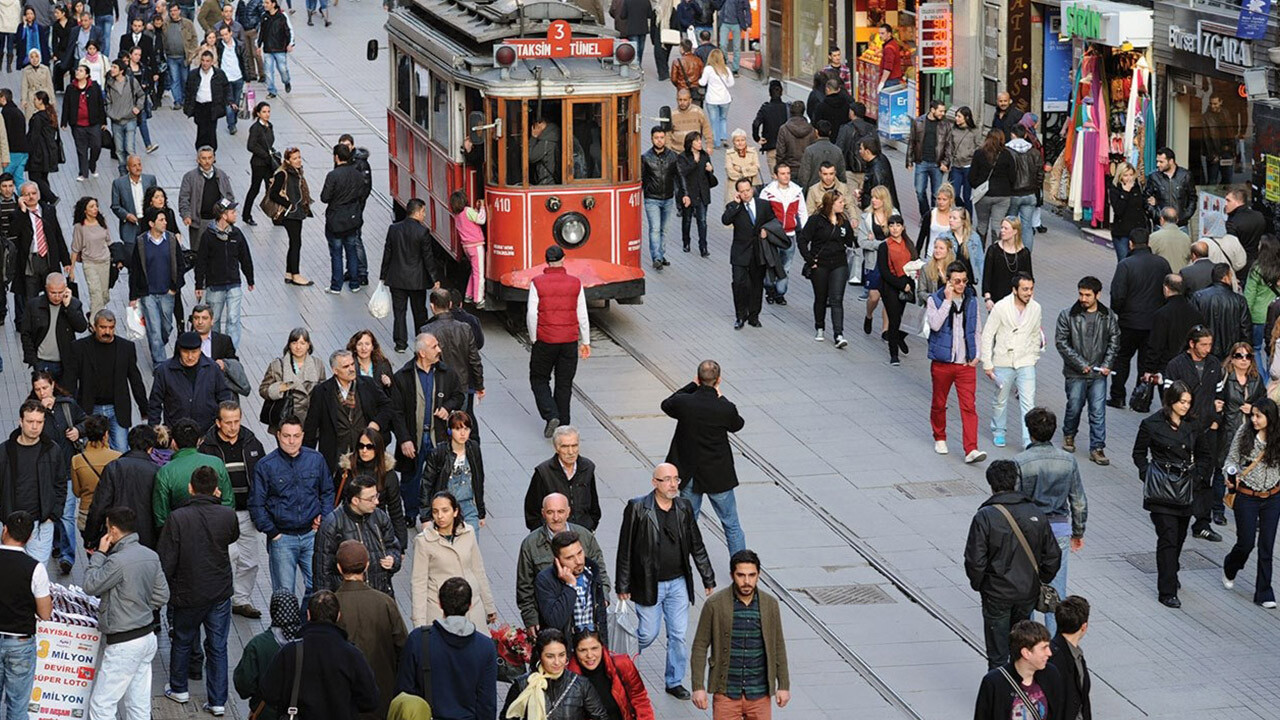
[940, 447]
[178, 697]
[1227, 582]
[975, 457]
[1268, 604]
[817, 337]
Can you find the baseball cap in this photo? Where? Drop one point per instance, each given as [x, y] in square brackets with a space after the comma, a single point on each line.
[224, 205]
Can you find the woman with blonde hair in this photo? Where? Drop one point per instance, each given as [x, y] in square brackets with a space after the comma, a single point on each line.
[872, 231]
[742, 161]
[717, 79]
[1005, 259]
[934, 273]
[1128, 208]
[966, 242]
[939, 220]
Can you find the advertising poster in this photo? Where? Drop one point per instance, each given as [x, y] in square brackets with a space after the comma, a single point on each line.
[66, 662]
[1272, 190]
[1057, 64]
[1213, 214]
[895, 113]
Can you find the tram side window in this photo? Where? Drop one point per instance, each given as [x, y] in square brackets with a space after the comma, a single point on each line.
[404, 84]
[588, 125]
[491, 146]
[514, 135]
[546, 137]
[624, 124]
[421, 97]
[440, 124]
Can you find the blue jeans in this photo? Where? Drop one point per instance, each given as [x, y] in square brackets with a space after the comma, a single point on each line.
[1121, 245]
[638, 41]
[1006, 377]
[17, 167]
[286, 555]
[216, 619]
[234, 90]
[739, 43]
[40, 546]
[673, 607]
[273, 63]
[1259, 352]
[1061, 533]
[338, 246]
[67, 541]
[225, 302]
[119, 435]
[927, 174]
[314, 5]
[719, 117]
[1024, 208]
[657, 215]
[157, 311]
[105, 23]
[726, 507]
[1094, 391]
[17, 674]
[1256, 521]
[778, 288]
[125, 135]
[959, 178]
[178, 70]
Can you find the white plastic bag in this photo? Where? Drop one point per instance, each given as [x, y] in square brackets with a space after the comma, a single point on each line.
[380, 301]
[135, 328]
[624, 628]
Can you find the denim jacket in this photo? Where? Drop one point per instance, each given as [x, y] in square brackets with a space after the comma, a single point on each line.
[1051, 478]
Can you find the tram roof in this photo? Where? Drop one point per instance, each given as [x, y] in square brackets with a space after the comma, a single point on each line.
[486, 21]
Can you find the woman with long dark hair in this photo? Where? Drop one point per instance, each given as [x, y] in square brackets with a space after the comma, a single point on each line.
[292, 376]
[447, 548]
[370, 361]
[1253, 472]
[457, 467]
[693, 189]
[551, 691]
[91, 247]
[289, 190]
[44, 145]
[613, 675]
[1172, 452]
[993, 166]
[63, 426]
[261, 145]
[822, 243]
[370, 458]
[965, 139]
[84, 111]
[894, 253]
[1261, 288]
[140, 69]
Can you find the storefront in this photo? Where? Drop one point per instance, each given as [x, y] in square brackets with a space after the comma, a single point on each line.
[1111, 109]
[1205, 70]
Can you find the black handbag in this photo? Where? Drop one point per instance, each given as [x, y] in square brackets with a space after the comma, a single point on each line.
[1140, 400]
[274, 411]
[1163, 486]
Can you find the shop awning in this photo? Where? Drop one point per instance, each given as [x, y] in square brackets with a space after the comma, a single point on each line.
[1108, 23]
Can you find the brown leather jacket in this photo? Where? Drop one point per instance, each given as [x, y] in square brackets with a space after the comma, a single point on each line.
[916, 141]
[692, 70]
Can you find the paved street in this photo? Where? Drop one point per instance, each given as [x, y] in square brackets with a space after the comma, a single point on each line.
[842, 494]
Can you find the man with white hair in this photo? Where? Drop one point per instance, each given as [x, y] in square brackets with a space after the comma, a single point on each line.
[342, 408]
[423, 393]
[50, 325]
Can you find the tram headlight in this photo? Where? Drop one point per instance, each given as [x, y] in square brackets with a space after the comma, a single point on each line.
[571, 229]
[624, 53]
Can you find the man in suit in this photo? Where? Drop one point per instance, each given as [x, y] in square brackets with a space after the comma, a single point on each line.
[137, 37]
[215, 345]
[409, 268]
[41, 248]
[99, 374]
[1135, 296]
[127, 195]
[201, 189]
[78, 40]
[1073, 623]
[1199, 274]
[700, 448]
[342, 407]
[747, 214]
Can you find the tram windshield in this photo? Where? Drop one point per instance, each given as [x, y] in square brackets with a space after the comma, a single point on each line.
[545, 142]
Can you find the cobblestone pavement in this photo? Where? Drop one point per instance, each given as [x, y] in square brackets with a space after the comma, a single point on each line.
[840, 487]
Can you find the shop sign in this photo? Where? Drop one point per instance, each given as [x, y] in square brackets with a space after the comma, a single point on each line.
[1253, 19]
[1216, 41]
[1082, 22]
[933, 36]
[1109, 23]
[1272, 191]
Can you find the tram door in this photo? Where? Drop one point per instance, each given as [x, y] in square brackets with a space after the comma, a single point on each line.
[474, 175]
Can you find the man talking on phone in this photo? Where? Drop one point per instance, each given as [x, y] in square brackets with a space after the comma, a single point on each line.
[570, 594]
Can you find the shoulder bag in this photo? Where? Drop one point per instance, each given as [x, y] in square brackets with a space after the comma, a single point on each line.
[1034, 712]
[426, 666]
[1161, 486]
[292, 711]
[271, 208]
[273, 411]
[80, 443]
[1047, 599]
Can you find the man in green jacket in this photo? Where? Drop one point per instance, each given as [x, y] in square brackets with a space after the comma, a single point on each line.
[743, 629]
[170, 490]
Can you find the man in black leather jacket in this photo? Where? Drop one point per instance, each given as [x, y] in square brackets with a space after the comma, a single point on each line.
[1225, 311]
[409, 270]
[878, 172]
[358, 518]
[658, 180]
[1201, 370]
[659, 535]
[1171, 185]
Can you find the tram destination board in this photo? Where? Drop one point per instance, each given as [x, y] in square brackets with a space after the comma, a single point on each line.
[560, 43]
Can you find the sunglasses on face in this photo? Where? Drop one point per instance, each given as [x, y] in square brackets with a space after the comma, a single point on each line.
[367, 446]
[1242, 356]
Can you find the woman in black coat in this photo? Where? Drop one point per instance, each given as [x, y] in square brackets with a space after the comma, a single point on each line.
[822, 244]
[694, 176]
[370, 458]
[1172, 453]
[44, 145]
[262, 141]
[566, 695]
[891, 256]
[1128, 208]
[289, 190]
[84, 113]
[457, 467]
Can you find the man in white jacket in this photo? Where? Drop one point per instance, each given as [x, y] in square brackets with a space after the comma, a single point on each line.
[1012, 341]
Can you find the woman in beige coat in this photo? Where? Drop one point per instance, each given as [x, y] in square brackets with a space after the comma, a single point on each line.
[35, 77]
[293, 375]
[447, 548]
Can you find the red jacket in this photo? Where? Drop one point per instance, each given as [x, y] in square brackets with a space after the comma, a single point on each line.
[557, 305]
[628, 688]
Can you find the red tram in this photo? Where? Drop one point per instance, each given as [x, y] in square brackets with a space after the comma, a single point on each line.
[494, 73]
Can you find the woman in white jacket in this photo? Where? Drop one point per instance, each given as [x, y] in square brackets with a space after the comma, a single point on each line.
[870, 232]
[447, 548]
[1012, 340]
[10, 19]
[717, 79]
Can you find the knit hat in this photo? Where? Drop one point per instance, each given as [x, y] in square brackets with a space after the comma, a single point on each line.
[285, 614]
[352, 557]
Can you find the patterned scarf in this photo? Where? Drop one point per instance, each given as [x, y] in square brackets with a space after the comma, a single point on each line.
[285, 614]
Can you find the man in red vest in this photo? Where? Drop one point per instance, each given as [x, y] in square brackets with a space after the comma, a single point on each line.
[558, 328]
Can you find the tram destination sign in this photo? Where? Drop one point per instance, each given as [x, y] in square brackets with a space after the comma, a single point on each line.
[560, 43]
